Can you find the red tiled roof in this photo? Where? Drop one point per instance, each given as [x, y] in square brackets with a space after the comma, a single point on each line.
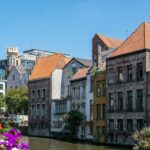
[137, 41]
[81, 73]
[46, 65]
[109, 42]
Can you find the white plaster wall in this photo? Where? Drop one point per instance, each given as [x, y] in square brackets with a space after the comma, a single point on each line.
[56, 83]
[4, 87]
[52, 114]
[57, 117]
[89, 96]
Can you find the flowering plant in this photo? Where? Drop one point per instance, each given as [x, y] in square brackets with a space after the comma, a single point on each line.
[10, 141]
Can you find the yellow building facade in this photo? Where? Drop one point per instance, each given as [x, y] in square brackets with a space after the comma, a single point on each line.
[99, 100]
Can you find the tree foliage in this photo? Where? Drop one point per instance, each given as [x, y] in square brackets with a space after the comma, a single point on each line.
[2, 101]
[73, 120]
[142, 139]
[17, 100]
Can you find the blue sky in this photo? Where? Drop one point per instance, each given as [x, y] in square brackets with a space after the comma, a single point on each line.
[67, 25]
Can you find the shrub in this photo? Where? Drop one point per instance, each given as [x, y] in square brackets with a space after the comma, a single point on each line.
[142, 139]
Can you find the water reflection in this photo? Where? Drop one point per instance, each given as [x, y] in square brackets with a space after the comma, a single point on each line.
[51, 144]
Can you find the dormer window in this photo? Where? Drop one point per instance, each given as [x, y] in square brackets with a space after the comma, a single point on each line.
[97, 44]
[74, 68]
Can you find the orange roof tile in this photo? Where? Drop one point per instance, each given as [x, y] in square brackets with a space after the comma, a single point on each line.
[109, 42]
[138, 40]
[81, 73]
[46, 65]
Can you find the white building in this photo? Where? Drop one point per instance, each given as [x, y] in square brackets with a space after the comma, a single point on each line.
[2, 87]
[89, 104]
[60, 104]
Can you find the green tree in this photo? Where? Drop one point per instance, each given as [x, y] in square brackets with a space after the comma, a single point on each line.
[73, 119]
[17, 100]
[2, 101]
[142, 139]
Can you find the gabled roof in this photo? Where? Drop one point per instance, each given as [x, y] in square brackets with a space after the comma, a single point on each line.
[109, 42]
[137, 41]
[81, 73]
[46, 65]
[85, 62]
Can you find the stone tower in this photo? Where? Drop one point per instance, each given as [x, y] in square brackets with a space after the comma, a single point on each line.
[13, 58]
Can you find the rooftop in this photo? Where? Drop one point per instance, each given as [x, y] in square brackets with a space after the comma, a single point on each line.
[109, 42]
[81, 73]
[46, 65]
[137, 41]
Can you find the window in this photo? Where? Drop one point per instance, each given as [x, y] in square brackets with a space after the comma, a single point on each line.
[129, 100]
[91, 108]
[33, 94]
[33, 110]
[130, 125]
[44, 93]
[98, 111]
[58, 124]
[14, 62]
[98, 131]
[120, 124]
[13, 77]
[111, 102]
[120, 101]
[17, 63]
[103, 130]
[43, 109]
[78, 94]
[1, 86]
[97, 44]
[91, 84]
[99, 89]
[129, 72]
[68, 90]
[111, 124]
[139, 71]
[139, 100]
[83, 130]
[74, 68]
[103, 111]
[38, 110]
[61, 107]
[38, 93]
[91, 129]
[120, 74]
[74, 93]
[140, 124]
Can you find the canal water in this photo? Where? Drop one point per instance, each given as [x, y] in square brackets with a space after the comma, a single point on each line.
[52, 144]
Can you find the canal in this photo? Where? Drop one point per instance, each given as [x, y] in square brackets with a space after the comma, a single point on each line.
[51, 144]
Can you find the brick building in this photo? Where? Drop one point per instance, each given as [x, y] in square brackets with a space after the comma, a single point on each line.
[44, 86]
[127, 84]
